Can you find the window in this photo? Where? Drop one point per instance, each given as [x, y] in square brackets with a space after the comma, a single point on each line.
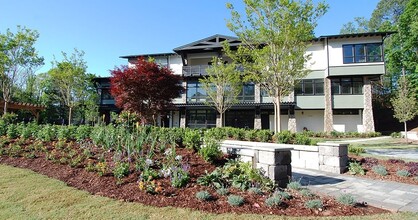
[201, 118]
[345, 112]
[106, 94]
[247, 93]
[310, 87]
[362, 53]
[195, 92]
[347, 86]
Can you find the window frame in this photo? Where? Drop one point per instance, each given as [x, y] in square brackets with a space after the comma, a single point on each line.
[352, 82]
[364, 56]
[313, 83]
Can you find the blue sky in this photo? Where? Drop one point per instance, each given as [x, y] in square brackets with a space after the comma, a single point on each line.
[106, 29]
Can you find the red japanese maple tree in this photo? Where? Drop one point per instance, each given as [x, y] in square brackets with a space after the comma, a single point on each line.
[146, 88]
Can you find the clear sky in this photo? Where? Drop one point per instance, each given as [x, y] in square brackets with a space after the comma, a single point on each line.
[107, 29]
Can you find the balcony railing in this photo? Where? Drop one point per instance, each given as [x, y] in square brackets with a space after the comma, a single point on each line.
[196, 70]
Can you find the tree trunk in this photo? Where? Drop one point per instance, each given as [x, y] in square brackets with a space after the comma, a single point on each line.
[406, 132]
[222, 119]
[277, 124]
[5, 108]
[69, 116]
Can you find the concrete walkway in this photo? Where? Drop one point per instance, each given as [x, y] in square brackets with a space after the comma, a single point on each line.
[384, 194]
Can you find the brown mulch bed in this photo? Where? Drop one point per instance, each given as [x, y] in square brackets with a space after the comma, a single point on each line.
[391, 165]
[107, 186]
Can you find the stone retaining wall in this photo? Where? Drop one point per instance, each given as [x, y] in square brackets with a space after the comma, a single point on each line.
[274, 159]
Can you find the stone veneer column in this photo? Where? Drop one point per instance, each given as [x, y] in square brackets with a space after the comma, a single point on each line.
[257, 121]
[368, 121]
[257, 99]
[184, 95]
[257, 93]
[328, 116]
[182, 113]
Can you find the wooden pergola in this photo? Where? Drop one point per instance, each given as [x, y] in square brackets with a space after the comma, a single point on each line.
[32, 108]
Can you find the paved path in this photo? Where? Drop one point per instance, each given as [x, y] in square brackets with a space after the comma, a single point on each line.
[398, 153]
[385, 194]
[361, 140]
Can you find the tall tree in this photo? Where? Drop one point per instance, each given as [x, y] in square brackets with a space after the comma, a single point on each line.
[18, 59]
[71, 80]
[404, 104]
[275, 35]
[223, 84]
[359, 25]
[146, 88]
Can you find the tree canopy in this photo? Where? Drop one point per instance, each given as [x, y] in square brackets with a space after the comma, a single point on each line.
[275, 35]
[146, 88]
[18, 60]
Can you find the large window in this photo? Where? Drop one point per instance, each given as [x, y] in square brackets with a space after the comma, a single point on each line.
[247, 93]
[201, 118]
[362, 53]
[347, 86]
[310, 87]
[195, 92]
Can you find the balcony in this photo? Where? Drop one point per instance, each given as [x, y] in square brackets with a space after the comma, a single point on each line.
[196, 70]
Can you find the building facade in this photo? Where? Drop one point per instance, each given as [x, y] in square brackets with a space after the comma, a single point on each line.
[335, 95]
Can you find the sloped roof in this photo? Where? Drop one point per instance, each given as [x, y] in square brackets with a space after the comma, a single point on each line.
[209, 43]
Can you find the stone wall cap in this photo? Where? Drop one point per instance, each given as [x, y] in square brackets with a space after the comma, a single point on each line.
[256, 145]
[331, 144]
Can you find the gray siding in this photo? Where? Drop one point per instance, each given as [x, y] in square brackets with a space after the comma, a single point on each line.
[347, 101]
[376, 69]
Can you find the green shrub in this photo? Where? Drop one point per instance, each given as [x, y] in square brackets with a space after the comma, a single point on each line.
[403, 173]
[66, 132]
[203, 195]
[12, 131]
[356, 150]
[355, 168]
[313, 204]
[294, 185]
[192, 139]
[284, 137]
[395, 134]
[213, 179]
[264, 135]
[347, 199]
[82, 132]
[235, 200]
[250, 135]
[9, 118]
[379, 169]
[179, 178]
[302, 139]
[121, 170]
[215, 134]
[211, 151]
[255, 190]
[222, 191]
[46, 133]
[282, 194]
[3, 127]
[307, 193]
[273, 201]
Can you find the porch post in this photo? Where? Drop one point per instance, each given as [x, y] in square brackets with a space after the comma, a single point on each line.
[328, 116]
[368, 121]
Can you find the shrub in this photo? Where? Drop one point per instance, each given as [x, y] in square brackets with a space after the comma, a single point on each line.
[192, 139]
[255, 190]
[355, 168]
[369, 161]
[356, 150]
[264, 135]
[46, 133]
[213, 179]
[179, 178]
[211, 151]
[379, 169]
[3, 127]
[250, 135]
[403, 173]
[12, 131]
[66, 132]
[82, 132]
[412, 168]
[235, 200]
[346, 199]
[273, 201]
[395, 161]
[282, 194]
[283, 137]
[302, 139]
[222, 191]
[294, 185]
[307, 193]
[395, 134]
[313, 204]
[121, 170]
[215, 133]
[203, 195]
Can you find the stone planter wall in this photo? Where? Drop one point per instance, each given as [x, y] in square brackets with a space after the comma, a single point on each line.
[274, 159]
[328, 157]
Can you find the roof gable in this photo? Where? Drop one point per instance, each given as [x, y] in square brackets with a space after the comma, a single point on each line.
[209, 43]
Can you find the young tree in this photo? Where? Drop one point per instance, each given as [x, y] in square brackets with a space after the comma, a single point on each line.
[223, 84]
[18, 59]
[146, 89]
[275, 35]
[71, 81]
[404, 104]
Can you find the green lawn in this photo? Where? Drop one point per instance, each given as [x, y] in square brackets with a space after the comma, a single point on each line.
[389, 143]
[27, 195]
